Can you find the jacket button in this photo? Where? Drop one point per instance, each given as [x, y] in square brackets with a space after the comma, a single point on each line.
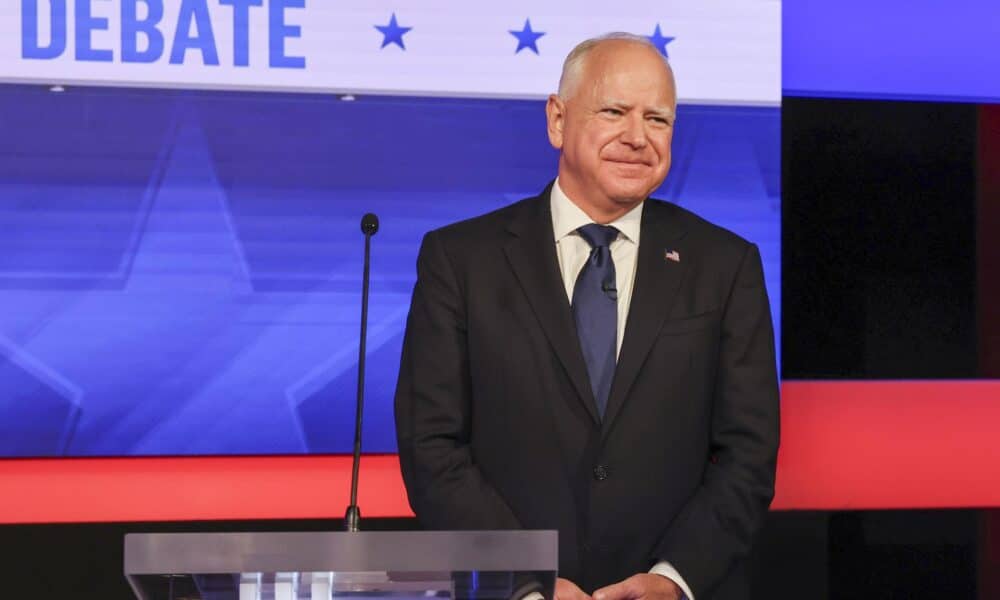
[600, 472]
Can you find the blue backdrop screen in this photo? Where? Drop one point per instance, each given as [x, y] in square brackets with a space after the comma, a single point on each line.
[918, 49]
[180, 271]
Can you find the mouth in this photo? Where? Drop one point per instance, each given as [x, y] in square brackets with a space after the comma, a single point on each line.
[628, 161]
[629, 167]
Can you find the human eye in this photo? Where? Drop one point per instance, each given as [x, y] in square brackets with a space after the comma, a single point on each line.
[612, 111]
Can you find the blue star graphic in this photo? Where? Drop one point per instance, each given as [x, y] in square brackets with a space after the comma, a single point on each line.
[660, 41]
[526, 38]
[393, 33]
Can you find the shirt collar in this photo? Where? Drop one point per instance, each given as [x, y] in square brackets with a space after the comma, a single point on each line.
[567, 217]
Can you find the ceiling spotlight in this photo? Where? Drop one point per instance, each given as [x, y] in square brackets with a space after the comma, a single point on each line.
[348, 98]
[57, 88]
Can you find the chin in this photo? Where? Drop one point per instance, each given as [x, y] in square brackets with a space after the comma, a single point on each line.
[628, 194]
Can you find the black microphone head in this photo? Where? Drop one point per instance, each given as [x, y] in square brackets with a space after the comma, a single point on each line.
[369, 224]
[610, 289]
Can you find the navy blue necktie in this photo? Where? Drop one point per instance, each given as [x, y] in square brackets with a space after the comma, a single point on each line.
[595, 309]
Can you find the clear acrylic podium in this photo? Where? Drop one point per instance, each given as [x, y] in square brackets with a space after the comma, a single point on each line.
[369, 565]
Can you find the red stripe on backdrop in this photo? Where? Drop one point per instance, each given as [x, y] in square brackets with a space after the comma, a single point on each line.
[196, 488]
[891, 444]
[845, 445]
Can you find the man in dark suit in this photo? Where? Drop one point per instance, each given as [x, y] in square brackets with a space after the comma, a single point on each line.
[597, 362]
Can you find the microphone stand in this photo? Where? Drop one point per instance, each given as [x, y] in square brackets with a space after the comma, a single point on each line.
[352, 519]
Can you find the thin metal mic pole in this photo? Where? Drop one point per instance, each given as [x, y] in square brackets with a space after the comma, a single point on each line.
[369, 225]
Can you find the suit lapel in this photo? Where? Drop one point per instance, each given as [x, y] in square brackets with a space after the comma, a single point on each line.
[532, 256]
[657, 281]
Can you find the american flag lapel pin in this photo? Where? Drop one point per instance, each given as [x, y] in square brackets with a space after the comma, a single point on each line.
[672, 255]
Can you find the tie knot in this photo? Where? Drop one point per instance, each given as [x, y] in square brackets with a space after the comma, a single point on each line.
[598, 236]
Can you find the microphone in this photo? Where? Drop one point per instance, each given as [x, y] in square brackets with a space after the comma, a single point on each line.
[609, 288]
[352, 519]
[369, 224]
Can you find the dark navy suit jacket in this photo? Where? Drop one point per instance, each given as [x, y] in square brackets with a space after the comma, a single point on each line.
[497, 425]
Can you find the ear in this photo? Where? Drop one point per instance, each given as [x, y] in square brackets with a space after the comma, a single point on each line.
[555, 115]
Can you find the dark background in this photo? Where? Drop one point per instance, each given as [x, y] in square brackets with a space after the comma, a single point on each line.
[879, 239]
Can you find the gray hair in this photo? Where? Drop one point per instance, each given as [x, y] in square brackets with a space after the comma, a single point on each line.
[573, 65]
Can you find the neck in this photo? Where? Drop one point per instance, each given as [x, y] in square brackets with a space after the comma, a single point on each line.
[601, 213]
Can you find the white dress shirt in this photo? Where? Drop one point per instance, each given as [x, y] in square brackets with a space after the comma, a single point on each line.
[572, 251]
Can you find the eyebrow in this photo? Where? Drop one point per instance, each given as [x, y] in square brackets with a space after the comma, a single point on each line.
[658, 110]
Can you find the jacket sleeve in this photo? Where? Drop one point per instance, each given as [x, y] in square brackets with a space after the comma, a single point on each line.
[446, 489]
[716, 526]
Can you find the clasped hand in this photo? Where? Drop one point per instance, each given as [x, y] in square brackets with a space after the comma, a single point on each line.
[644, 586]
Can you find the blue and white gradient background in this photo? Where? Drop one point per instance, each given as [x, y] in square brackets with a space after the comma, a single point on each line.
[180, 269]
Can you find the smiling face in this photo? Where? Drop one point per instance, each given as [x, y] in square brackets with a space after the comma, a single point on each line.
[614, 128]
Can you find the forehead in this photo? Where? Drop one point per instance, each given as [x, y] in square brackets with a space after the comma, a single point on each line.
[629, 70]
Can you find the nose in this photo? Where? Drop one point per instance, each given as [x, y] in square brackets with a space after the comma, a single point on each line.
[634, 134]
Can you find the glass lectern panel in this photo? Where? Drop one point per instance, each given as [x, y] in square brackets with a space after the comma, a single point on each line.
[412, 565]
